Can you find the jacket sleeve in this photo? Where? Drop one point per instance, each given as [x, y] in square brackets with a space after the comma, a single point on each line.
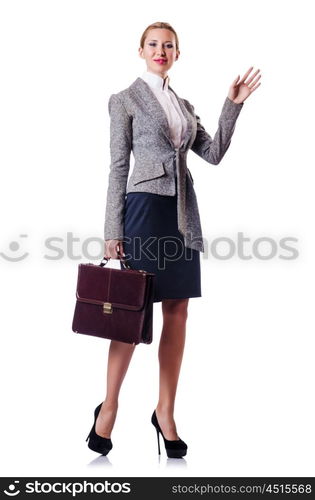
[120, 148]
[213, 150]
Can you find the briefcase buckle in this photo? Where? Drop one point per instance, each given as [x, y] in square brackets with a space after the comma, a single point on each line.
[107, 308]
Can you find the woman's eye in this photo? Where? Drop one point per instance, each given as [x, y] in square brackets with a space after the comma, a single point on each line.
[169, 46]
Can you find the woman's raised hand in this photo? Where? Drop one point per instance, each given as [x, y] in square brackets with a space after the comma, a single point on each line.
[112, 248]
[240, 90]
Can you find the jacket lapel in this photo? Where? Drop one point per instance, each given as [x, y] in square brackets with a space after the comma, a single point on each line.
[157, 113]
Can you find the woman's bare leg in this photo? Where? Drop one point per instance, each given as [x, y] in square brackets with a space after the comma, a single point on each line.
[119, 356]
[171, 349]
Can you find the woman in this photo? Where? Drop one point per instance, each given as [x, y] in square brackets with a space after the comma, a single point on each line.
[153, 219]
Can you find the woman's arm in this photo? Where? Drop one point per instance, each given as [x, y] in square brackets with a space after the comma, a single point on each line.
[120, 148]
[213, 150]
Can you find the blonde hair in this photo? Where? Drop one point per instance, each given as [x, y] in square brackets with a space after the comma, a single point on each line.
[166, 26]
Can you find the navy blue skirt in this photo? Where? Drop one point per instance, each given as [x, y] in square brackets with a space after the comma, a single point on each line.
[153, 243]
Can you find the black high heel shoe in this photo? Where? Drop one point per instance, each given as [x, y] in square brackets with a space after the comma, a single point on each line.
[174, 448]
[98, 443]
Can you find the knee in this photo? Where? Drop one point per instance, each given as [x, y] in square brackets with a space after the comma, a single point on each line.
[175, 307]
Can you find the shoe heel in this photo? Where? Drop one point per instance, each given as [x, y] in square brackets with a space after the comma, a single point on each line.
[176, 448]
[158, 440]
[88, 436]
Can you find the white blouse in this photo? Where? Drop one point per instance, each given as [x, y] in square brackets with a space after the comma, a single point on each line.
[176, 120]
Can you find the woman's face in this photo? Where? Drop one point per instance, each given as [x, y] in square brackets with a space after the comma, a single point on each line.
[159, 51]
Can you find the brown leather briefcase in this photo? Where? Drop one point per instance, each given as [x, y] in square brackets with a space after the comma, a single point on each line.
[113, 303]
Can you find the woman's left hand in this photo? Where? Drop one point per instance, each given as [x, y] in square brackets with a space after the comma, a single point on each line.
[240, 90]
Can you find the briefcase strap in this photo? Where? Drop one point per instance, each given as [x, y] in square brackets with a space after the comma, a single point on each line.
[124, 262]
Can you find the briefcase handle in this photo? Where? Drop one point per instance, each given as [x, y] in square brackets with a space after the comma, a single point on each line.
[124, 262]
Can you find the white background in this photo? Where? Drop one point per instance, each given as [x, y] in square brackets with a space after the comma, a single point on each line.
[245, 400]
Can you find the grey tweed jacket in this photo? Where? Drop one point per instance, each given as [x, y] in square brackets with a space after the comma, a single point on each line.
[139, 124]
